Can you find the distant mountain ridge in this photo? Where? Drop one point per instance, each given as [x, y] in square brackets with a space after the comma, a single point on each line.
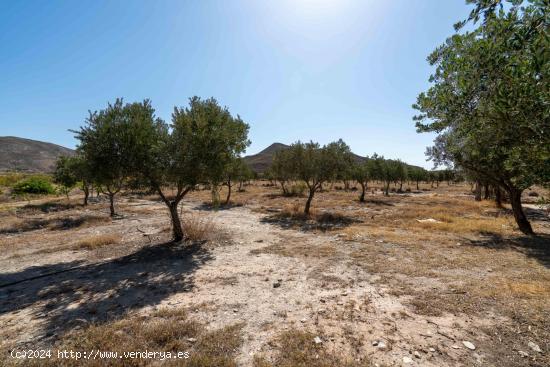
[27, 155]
[261, 161]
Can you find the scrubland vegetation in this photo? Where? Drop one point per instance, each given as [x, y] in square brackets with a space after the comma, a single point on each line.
[158, 236]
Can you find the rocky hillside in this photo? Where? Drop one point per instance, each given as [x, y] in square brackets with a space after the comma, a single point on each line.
[29, 155]
[261, 161]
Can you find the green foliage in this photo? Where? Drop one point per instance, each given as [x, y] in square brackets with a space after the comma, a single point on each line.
[199, 146]
[297, 189]
[281, 168]
[65, 174]
[217, 136]
[112, 144]
[238, 170]
[33, 185]
[489, 100]
[312, 164]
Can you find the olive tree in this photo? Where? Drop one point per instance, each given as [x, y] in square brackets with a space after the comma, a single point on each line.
[314, 164]
[401, 173]
[236, 171]
[489, 101]
[108, 148]
[196, 147]
[64, 175]
[363, 172]
[417, 174]
[281, 168]
[69, 171]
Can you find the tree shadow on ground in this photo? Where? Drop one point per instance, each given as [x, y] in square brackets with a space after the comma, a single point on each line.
[280, 195]
[537, 247]
[62, 223]
[49, 207]
[316, 222]
[206, 206]
[379, 202]
[536, 214]
[67, 295]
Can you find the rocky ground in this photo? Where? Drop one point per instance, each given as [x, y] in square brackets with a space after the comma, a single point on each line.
[428, 278]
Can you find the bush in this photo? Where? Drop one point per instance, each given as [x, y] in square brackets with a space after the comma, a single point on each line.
[298, 189]
[33, 185]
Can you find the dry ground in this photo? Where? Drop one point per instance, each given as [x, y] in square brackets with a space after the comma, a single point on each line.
[358, 284]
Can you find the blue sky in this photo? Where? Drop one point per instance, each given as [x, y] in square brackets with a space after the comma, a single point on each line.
[292, 69]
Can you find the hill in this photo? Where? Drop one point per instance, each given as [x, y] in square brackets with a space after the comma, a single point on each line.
[261, 161]
[29, 155]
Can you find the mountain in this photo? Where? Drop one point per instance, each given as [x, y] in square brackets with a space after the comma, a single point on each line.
[29, 155]
[261, 161]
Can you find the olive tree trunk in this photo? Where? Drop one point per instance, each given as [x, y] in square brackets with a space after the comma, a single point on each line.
[228, 192]
[519, 215]
[177, 229]
[86, 190]
[309, 199]
[172, 205]
[112, 203]
[498, 197]
[478, 191]
[363, 189]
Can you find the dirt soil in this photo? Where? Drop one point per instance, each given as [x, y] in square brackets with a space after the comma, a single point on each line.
[374, 282]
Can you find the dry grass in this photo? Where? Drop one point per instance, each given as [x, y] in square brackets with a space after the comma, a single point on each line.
[98, 241]
[199, 228]
[164, 331]
[295, 348]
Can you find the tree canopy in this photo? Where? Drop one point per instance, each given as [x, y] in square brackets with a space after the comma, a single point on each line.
[489, 101]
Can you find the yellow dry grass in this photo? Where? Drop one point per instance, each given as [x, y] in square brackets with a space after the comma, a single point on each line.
[168, 330]
[198, 228]
[98, 241]
[296, 348]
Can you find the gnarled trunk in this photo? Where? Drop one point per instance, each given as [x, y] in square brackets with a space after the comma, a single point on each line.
[177, 229]
[519, 215]
[363, 189]
[228, 192]
[478, 191]
[498, 197]
[309, 198]
[112, 204]
[86, 190]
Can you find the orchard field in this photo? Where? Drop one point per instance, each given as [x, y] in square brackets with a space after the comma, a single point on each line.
[428, 277]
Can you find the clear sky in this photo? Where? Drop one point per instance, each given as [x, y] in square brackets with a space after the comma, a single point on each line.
[292, 69]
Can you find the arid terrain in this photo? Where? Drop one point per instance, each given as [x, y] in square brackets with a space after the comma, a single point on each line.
[423, 278]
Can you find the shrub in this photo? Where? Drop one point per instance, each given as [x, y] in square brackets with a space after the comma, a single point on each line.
[197, 228]
[298, 189]
[33, 185]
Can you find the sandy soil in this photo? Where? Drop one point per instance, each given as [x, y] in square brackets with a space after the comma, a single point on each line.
[268, 276]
